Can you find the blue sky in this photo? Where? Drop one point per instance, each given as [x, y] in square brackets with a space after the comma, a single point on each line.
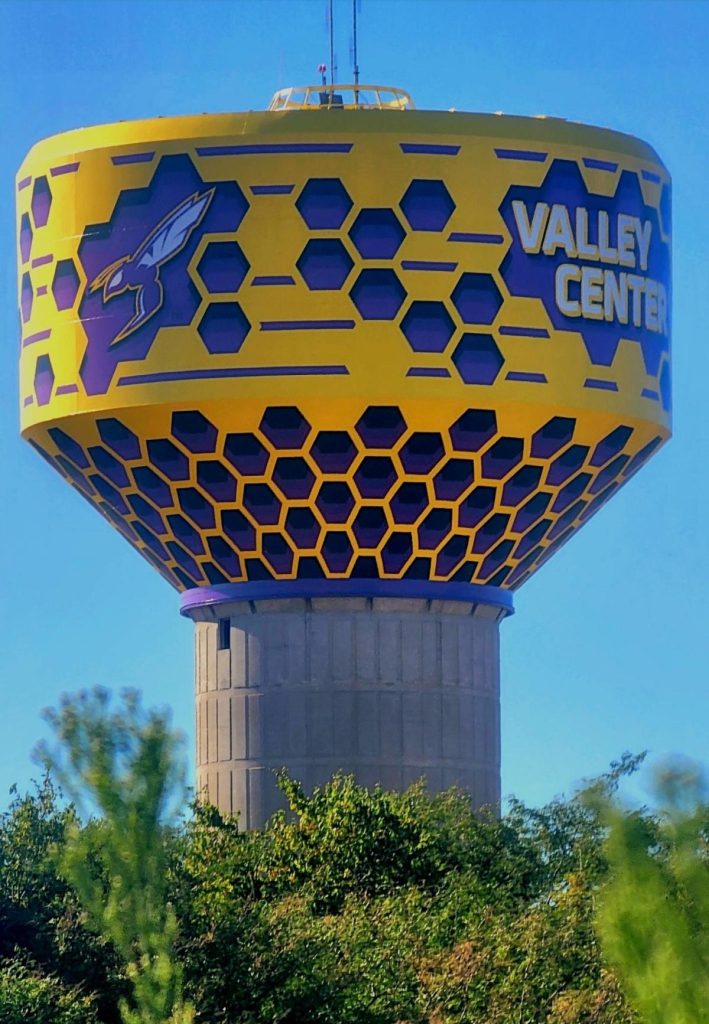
[609, 647]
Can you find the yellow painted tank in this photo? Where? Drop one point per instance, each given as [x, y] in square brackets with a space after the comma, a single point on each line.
[344, 346]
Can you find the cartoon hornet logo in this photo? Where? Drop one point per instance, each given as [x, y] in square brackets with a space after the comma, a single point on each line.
[140, 272]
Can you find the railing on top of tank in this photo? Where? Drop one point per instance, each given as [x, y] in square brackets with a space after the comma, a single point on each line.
[341, 97]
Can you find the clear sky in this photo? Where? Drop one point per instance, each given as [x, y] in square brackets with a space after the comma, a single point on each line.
[609, 647]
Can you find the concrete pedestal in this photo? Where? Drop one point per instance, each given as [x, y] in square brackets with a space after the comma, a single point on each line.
[388, 689]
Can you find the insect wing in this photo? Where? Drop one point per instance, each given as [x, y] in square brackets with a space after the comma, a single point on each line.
[170, 236]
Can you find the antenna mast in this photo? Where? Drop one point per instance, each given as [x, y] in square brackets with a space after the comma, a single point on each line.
[354, 42]
[332, 43]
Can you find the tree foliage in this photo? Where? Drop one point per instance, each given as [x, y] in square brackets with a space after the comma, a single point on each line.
[355, 907]
[653, 917]
[122, 765]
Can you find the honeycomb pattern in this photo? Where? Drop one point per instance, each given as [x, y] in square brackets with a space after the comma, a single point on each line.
[41, 202]
[427, 205]
[325, 264]
[223, 327]
[323, 203]
[65, 284]
[223, 267]
[377, 500]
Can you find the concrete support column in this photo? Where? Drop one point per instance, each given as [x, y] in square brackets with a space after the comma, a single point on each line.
[388, 689]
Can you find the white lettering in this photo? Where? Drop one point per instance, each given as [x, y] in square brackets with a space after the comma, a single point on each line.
[530, 235]
[592, 293]
[643, 229]
[607, 253]
[583, 245]
[558, 233]
[565, 274]
[626, 240]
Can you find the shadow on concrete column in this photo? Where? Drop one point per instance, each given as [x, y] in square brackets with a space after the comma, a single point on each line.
[387, 689]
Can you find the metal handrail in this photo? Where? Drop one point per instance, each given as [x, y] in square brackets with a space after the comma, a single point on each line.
[348, 96]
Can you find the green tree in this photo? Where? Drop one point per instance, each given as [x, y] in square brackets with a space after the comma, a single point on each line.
[28, 997]
[653, 917]
[123, 765]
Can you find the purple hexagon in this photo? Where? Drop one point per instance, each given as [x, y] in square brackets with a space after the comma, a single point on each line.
[473, 429]
[25, 237]
[570, 492]
[257, 570]
[495, 559]
[477, 359]
[333, 451]
[151, 541]
[278, 552]
[246, 454]
[408, 502]
[435, 527]
[284, 426]
[451, 555]
[196, 507]
[532, 538]
[71, 448]
[145, 511]
[427, 326]
[397, 551]
[186, 534]
[43, 380]
[369, 526]
[153, 486]
[365, 568]
[41, 202]
[377, 233]
[477, 298]
[223, 267]
[337, 550]
[552, 436]
[324, 264]
[453, 479]
[239, 530]
[378, 294]
[225, 556]
[293, 476]
[116, 436]
[323, 203]
[109, 466]
[335, 501]
[262, 503]
[26, 297]
[109, 493]
[194, 431]
[310, 568]
[214, 478]
[502, 457]
[521, 485]
[610, 472]
[611, 445]
[476, 506]
[421, 452]
[567, 463]
[168, 459]
[302, 527]
[427, 205]
[223, 327]
[533, 510]
[186, 561]
[65, 284]
[490, 532]
[381, 426]
[374, 476]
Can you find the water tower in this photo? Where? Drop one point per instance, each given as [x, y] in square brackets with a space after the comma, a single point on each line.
[346, 374]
